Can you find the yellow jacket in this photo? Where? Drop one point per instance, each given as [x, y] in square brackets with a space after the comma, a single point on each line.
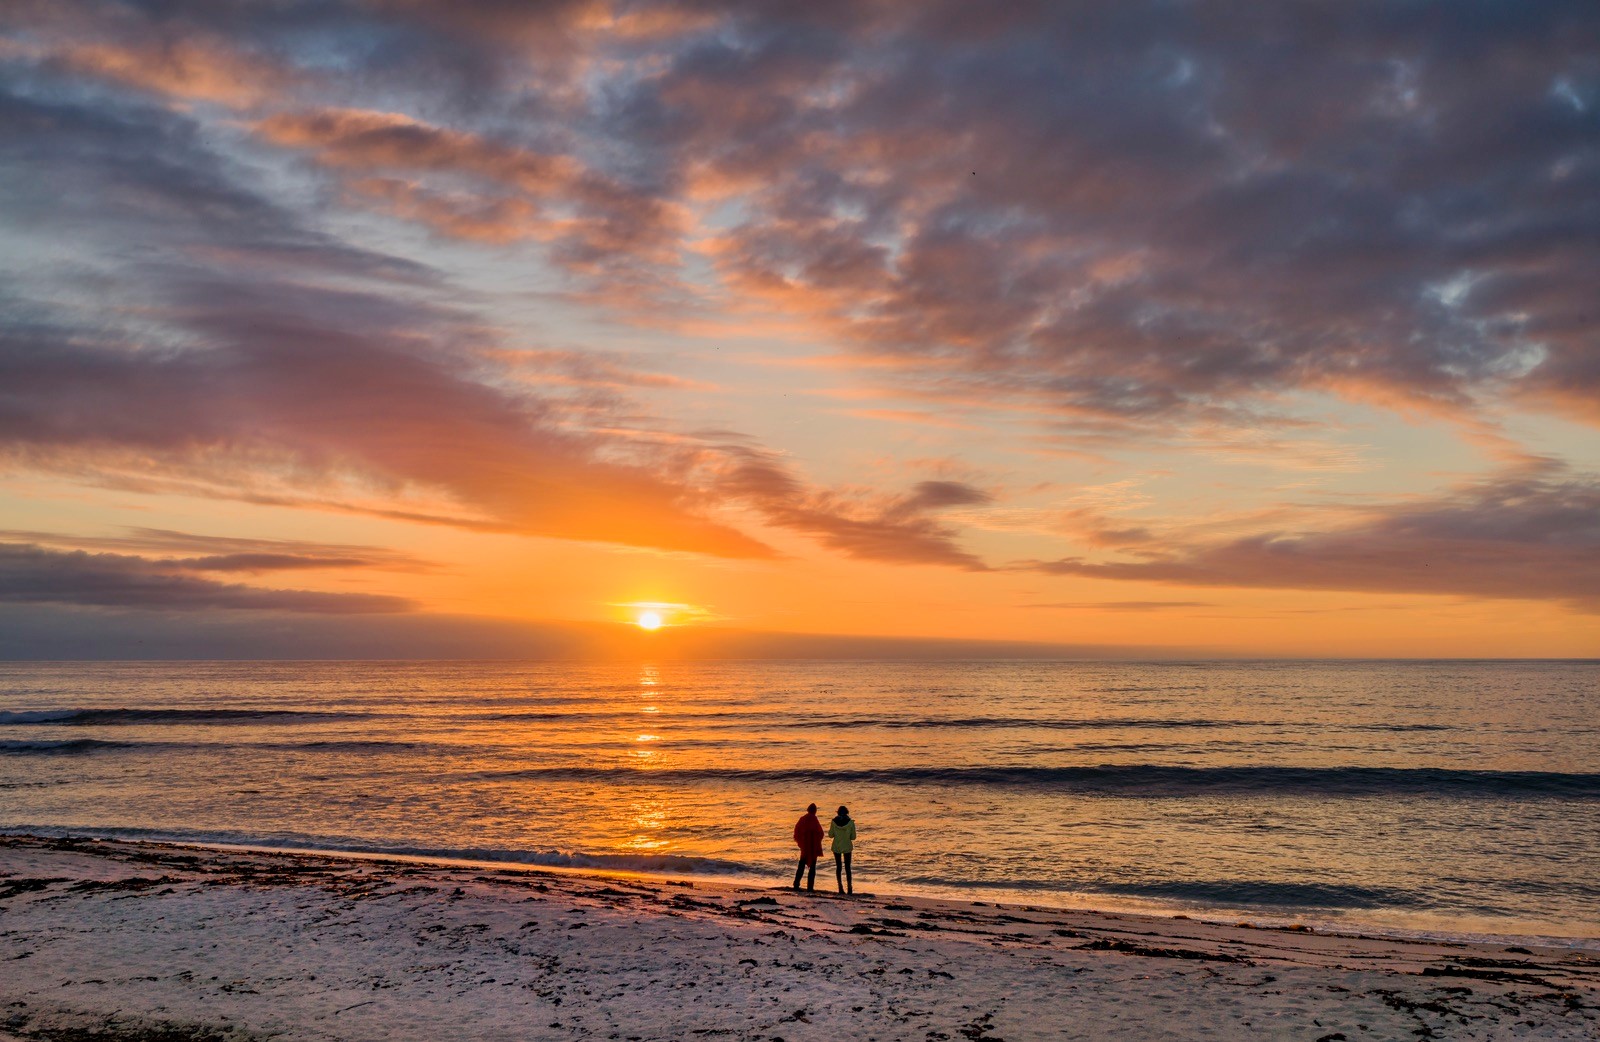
[843, 836]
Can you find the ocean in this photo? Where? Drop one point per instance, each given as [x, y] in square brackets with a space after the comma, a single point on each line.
[1460, 798]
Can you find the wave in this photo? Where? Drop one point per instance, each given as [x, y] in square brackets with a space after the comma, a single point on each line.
[1228, 893]
[65, 747]
[766, 721]
[1046, 723]
[1252, 893]
[44, 747]
[1147, 780]
[1102, 723]
[657, 864]
[339, 745]
[653, 864]
[542, 716]
[117, 717]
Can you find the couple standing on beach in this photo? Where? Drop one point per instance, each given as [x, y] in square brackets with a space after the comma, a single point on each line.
[808, 837]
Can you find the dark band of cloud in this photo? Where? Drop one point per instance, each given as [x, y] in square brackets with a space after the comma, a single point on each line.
[228, 553]
[1532, 534]
[33, 574]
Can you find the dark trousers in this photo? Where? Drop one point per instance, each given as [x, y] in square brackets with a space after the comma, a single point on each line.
[805, 863]
[841, 872]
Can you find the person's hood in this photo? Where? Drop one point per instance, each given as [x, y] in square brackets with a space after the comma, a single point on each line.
[841, 819]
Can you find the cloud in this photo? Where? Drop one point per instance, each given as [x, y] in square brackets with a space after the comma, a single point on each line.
[901, 529]
[929, 496]
[278, 396]
[222, 370]
[229, 553]
[1118, 222]
[1531, 533]
[33, 574]
[1133, 217]
[1123, 606]
[595, 225]
[386, 140]
[219, 365]
[193, 68]
[1108, 216]
[110, 176]
[593, 368]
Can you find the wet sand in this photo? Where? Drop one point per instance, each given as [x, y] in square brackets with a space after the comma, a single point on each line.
[121, 941]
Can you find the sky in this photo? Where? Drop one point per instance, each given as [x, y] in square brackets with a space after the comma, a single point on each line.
[456, 327]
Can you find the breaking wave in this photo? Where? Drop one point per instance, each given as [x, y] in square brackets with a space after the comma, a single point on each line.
[653, 864]
[1149, 780]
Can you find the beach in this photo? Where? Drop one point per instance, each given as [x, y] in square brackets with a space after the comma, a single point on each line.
[108, 940]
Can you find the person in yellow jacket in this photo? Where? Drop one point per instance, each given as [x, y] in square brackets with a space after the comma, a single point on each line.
[842, 830]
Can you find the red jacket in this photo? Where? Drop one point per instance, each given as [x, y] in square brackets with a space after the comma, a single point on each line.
[808, 836]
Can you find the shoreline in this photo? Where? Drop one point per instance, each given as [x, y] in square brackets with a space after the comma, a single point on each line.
[998, 895]
[125, 940]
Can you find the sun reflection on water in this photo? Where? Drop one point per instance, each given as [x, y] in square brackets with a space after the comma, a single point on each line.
[649, 821]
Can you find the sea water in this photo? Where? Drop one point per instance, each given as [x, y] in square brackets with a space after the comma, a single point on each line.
[1453, 797]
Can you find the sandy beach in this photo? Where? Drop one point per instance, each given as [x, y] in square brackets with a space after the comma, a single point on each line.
[114, 940]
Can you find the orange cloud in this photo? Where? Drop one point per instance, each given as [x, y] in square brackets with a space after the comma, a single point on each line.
[194, 68]
[493, 191]
[365, 139]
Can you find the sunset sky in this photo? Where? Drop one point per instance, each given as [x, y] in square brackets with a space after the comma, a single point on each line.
[1135, 326]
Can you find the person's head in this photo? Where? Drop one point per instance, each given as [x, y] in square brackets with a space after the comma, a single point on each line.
[844, 812]
[811, 809]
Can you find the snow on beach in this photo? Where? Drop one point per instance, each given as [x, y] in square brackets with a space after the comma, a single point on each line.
[120, 941]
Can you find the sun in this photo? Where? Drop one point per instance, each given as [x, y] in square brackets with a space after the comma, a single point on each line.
[649, 620]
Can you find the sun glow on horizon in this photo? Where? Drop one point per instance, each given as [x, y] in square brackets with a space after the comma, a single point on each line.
[656, 615]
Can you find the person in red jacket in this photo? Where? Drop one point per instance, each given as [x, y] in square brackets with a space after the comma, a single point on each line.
[808, 837]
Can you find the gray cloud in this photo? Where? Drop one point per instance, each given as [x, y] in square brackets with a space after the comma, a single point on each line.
[115, 174]
[1129, 215]
[228, 553]
[1533, 533]
[31, 574]
[1111, 214]
[902, 529]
